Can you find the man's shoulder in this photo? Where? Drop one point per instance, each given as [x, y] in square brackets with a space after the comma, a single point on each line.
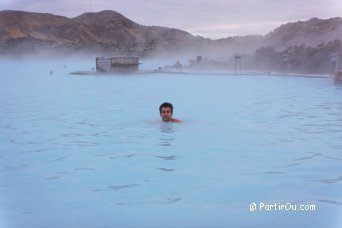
[174, 120]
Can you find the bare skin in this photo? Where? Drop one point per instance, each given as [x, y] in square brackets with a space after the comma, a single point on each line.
[166, 115]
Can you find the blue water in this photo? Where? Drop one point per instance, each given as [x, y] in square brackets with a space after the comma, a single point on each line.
[90, 151]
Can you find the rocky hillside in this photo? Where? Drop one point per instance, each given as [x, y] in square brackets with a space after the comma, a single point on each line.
[309, 33]
[20, 26]
[109, 31]
[112, 27]
[106, 30]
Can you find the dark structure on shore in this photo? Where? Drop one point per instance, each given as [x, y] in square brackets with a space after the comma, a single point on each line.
[117, 64]
[338, 76]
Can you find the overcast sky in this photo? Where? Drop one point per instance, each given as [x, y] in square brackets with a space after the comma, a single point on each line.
[208, 18]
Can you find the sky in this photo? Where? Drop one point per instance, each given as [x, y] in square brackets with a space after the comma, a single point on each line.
[208, 18]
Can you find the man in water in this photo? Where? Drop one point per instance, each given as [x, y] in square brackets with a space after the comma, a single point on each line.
[166, 111]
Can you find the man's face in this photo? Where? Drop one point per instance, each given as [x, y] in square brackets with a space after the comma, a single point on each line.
[166, 114]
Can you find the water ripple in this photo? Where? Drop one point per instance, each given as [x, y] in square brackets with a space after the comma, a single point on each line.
[52, 178]
[172, 157]
[330, 202]
[273, 172]
[166, 170]
[122, 156]
[167, 201]
[329, 181]
[293, 164]
[129, 142]
[62, 159]
[334, 158]
[116, 187]
[84, 169]
[18, 167]
[84, 143]
[308, 157]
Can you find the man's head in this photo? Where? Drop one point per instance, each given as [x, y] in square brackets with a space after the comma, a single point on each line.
[166, 111]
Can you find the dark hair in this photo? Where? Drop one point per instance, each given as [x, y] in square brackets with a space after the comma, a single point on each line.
[166, 105]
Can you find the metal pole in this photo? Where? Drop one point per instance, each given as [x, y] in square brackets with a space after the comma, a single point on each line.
[240, 64]
[337, 62]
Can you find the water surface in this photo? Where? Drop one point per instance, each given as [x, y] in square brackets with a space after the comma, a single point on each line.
[90, 151]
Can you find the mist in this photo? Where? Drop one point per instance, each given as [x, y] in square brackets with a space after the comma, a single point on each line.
[227, 59]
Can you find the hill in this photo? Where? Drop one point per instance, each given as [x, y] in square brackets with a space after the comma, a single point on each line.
[309, 33]
[102, 31]
[109, 32]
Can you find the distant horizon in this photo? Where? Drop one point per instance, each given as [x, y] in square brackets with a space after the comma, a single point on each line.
[210, 19]
[215, 38]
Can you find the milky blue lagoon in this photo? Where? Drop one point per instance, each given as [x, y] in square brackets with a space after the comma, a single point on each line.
[90, 151]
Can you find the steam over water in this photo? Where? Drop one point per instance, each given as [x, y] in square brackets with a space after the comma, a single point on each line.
[90, 151]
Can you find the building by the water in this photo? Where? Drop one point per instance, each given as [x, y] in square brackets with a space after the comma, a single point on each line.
[338, 76]
[117, 64]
